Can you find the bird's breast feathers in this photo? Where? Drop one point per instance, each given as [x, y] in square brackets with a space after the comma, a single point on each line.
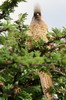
[38, 29]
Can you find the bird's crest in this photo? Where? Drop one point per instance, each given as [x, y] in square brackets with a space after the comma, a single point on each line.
[37, 11]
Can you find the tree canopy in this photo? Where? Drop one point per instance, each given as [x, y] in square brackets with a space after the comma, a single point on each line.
[19, 78]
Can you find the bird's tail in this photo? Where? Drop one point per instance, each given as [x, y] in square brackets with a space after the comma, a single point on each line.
[46, 83]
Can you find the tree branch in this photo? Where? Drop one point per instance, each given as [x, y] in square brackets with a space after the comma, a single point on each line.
[47, 44]
[57, 38]
[56, 69]
[9, 6]
[54, 48]
[6, 29]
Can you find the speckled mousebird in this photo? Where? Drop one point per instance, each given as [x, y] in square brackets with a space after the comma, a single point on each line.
[39, 29]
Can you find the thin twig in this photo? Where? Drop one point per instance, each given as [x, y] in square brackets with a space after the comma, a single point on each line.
[47, 44]
[57, 47]
[6, 29]
[58, 70]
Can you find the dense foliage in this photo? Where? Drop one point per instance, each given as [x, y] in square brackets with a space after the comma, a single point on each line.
[19, 65]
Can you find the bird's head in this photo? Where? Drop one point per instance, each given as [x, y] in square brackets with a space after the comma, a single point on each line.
[37, 13]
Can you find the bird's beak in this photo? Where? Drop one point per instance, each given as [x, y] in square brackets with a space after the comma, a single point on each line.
[37, 14]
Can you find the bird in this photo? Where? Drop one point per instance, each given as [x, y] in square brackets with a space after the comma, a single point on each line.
[39, 29]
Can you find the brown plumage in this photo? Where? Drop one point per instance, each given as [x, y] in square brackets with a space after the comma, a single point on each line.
[38, 29]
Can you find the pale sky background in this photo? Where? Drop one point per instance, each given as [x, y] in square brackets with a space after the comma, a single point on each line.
[53, 11]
